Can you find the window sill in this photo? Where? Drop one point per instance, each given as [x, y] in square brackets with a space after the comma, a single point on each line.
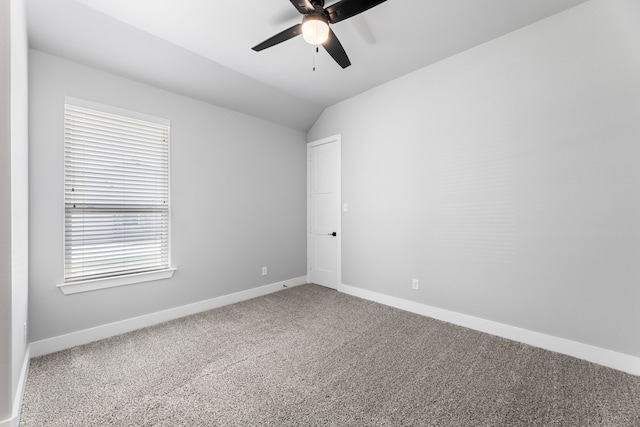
[112, 282]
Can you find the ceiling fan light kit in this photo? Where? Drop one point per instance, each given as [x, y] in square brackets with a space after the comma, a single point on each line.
[315, 25]
[315, 29]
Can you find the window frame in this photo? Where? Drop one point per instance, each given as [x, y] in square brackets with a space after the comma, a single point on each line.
[84, 285]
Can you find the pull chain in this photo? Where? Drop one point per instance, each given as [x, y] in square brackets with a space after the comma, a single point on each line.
[314, 59]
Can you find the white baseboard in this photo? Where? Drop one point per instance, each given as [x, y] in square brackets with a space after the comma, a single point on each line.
[62, 342]
[620, 361]
[14, 421]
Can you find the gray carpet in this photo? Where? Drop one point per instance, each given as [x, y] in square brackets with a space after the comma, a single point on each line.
[309, 356]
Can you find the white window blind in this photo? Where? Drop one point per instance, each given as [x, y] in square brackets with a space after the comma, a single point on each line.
[116, 194]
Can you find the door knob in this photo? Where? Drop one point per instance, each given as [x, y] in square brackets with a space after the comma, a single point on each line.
[334, 234]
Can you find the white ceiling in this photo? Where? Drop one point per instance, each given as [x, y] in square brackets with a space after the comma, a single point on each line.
[202, 48]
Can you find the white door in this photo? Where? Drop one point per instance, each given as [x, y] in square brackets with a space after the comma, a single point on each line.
[324, 232]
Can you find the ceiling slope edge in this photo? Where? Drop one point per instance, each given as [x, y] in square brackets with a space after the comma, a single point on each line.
[139, 56]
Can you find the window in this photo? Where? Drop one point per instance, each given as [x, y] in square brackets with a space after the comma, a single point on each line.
[116, 196]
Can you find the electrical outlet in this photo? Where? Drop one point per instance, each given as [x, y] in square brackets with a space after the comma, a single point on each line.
[264, 271]
[25, 331]
[415, 284]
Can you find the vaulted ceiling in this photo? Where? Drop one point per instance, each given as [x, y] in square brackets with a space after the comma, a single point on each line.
[202, 48]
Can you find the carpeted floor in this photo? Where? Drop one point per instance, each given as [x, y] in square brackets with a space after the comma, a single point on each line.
[309, 356]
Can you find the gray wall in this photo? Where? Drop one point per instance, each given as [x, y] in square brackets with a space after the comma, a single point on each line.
[238, 197]
[19, 186]
[506, 179]
[14, 209]
[5, 212]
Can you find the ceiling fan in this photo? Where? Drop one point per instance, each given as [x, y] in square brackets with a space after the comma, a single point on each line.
[315, 25]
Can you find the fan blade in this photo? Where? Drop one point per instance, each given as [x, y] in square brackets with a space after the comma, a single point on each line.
[285, 35]
[347, 8]
[303, 6]
[335, 49]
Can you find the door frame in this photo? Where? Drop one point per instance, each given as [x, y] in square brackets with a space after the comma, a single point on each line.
[310, 145]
